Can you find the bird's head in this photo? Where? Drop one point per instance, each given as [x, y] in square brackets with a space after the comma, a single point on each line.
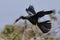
[18, 19]
[22, 17]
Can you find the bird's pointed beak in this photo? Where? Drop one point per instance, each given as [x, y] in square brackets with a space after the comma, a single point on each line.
[16, 20]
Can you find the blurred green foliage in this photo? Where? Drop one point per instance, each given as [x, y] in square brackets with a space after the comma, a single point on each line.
[15, 33]
[49, 38]
[10, 33]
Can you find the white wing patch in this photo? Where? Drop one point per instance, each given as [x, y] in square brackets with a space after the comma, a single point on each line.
[44, 18]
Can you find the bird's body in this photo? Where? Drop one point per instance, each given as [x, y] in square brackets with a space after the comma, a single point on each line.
[44, 26]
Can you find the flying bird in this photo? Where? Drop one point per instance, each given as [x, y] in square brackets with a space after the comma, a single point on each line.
[34, 19]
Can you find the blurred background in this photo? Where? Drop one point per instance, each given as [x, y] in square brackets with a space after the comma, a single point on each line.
[12, 9]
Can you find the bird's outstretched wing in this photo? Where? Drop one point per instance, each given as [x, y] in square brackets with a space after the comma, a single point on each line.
[30, 10]
[50, 11]
[42, 13]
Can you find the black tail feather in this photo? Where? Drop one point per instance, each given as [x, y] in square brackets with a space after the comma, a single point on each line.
[43, 28]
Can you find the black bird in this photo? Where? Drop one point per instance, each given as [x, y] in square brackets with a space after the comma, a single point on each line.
[30, 10]
[44, 26]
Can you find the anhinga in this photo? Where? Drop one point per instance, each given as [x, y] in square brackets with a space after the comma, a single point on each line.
[44, 26]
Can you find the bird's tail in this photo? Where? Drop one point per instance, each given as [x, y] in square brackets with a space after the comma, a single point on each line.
[43, 28]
